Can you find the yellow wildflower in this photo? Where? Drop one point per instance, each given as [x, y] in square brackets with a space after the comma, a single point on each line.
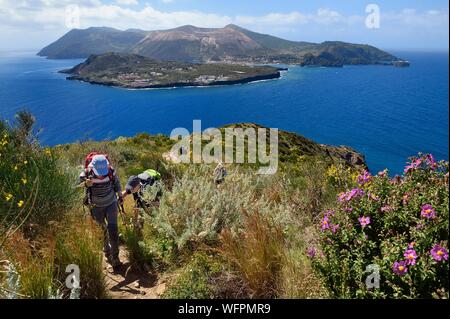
[25, 162]
[332, 171]
[16, 168]
[24, 181]
[20, 203]
[8, 197]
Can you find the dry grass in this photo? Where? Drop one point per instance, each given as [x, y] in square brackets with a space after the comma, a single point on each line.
[257, 254]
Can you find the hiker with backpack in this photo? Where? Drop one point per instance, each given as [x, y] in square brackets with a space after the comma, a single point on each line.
[219, 173]
[137, 184]
[103, 196]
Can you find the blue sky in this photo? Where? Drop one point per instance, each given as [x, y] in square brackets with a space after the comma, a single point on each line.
[404, 25]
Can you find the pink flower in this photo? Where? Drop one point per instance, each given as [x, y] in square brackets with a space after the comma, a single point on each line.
[428, 212]
[382, 173]
[430, 161]
[311, 252]
[410, 256]
[364, 178]
[439, 253]
[329, 213]
[334, 228]
[325, 223]
[415, 163]
[364, 221]
[341, 197]
[354, 193]
[400, 268]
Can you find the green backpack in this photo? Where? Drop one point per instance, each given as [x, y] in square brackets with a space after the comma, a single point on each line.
[156, 175]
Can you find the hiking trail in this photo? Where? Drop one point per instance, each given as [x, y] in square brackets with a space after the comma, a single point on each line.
[130, 283]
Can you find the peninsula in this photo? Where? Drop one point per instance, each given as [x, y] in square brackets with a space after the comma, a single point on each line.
[137, 72]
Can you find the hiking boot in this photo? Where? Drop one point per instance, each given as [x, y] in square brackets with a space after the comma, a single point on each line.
[115, 262]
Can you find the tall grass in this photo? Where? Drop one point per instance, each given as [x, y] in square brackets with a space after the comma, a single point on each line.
[298, 280]
[41, 264]
[82, 245]
[139, 252]
[257, 253]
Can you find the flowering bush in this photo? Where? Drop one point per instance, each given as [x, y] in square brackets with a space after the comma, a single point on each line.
[33, 186]
[398, 226]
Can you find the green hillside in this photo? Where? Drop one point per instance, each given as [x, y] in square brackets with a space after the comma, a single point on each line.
[308, 231]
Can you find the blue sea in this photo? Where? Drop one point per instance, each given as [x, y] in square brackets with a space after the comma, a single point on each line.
[386, 113]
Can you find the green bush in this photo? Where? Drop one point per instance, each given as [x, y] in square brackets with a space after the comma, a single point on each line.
[400, 225]
[34, 185]
[139, 252]
[196, 210]
[196, 279]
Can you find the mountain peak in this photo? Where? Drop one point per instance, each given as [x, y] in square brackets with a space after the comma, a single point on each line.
[190, 43]
[233, 26]
[190, 28]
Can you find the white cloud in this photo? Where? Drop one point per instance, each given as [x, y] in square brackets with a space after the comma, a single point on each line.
[127, 2]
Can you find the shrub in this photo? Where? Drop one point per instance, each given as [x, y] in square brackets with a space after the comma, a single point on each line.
[400, 225]
[257, 254]
[33, 183]
[196, 279]
[139, 252]
[196, 210]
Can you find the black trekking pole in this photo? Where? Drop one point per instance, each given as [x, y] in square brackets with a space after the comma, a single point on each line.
[122, 213]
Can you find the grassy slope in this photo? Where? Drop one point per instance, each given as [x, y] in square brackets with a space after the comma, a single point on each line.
[201, 261]
[195, 233]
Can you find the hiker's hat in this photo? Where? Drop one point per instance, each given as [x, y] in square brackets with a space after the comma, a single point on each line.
[100, 165]
[144, 176]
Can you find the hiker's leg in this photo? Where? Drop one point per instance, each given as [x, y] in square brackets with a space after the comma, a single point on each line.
[113, 229]
[99, 215]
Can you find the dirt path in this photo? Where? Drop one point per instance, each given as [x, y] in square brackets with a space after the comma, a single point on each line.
[128, 283]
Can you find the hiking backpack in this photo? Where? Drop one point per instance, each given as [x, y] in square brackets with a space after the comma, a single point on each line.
[156, 175]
